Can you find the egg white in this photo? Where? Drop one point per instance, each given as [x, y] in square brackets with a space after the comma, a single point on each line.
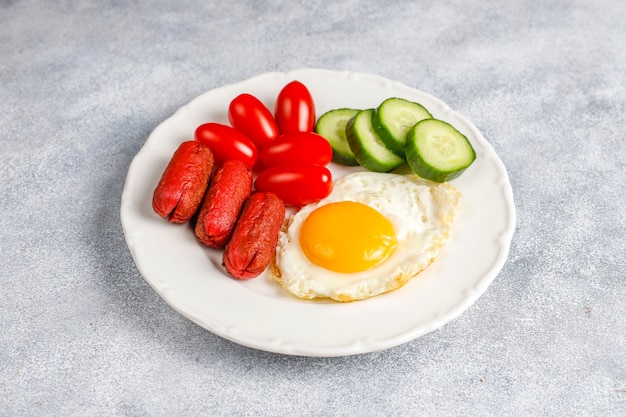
[421, 212]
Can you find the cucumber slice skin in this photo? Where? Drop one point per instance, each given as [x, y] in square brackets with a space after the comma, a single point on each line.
[369, 150]
[426, 158]
[393, 119]
[332, 126]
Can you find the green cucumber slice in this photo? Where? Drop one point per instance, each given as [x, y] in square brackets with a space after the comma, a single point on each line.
[436, 151]
[393, 119]
[332, 126]
[367, 147]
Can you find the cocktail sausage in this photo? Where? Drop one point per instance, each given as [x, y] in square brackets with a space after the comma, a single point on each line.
[253, 242]
[229, 188]
[181, 188]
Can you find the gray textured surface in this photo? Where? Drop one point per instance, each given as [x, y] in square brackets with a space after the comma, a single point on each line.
[82, 84]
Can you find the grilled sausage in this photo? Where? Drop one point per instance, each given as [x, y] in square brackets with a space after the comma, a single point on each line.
[253, 242]
[183, 183]
[229, 188]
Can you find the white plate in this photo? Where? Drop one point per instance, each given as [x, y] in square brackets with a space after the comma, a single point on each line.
[258, 313]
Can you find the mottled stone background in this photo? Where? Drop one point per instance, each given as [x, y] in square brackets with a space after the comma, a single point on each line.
[83, 83]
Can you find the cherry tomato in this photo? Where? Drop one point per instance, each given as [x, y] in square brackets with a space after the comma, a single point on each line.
[301, 147]
[227, 143]
[249, 115]
[295, 110]
[296, 184]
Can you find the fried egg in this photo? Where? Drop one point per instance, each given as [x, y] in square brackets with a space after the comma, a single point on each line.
[372, 234]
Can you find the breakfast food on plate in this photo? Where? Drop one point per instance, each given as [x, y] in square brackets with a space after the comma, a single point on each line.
[183, 183]
[437, 151]
[362, 235]
[368, 149]
[332, 126]
[295, 109]
[296, 184]
[253, 242]
[299, 147]
[295, 158]
[227, 143]
[229, 188]
[370, 235]
[398, 131]
[251, 117]
[393, 118]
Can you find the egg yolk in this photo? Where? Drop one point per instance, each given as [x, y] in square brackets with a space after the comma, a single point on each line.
[347, 237]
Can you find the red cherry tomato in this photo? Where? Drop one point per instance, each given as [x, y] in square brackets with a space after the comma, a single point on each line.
[296, 184]
[295, 109]
[249, 115]
[301, 147]
[227, 143]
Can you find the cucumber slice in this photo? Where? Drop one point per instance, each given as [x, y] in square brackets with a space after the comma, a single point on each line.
[393, 119]
[436, 151]
[367, 147]
[332, 126]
